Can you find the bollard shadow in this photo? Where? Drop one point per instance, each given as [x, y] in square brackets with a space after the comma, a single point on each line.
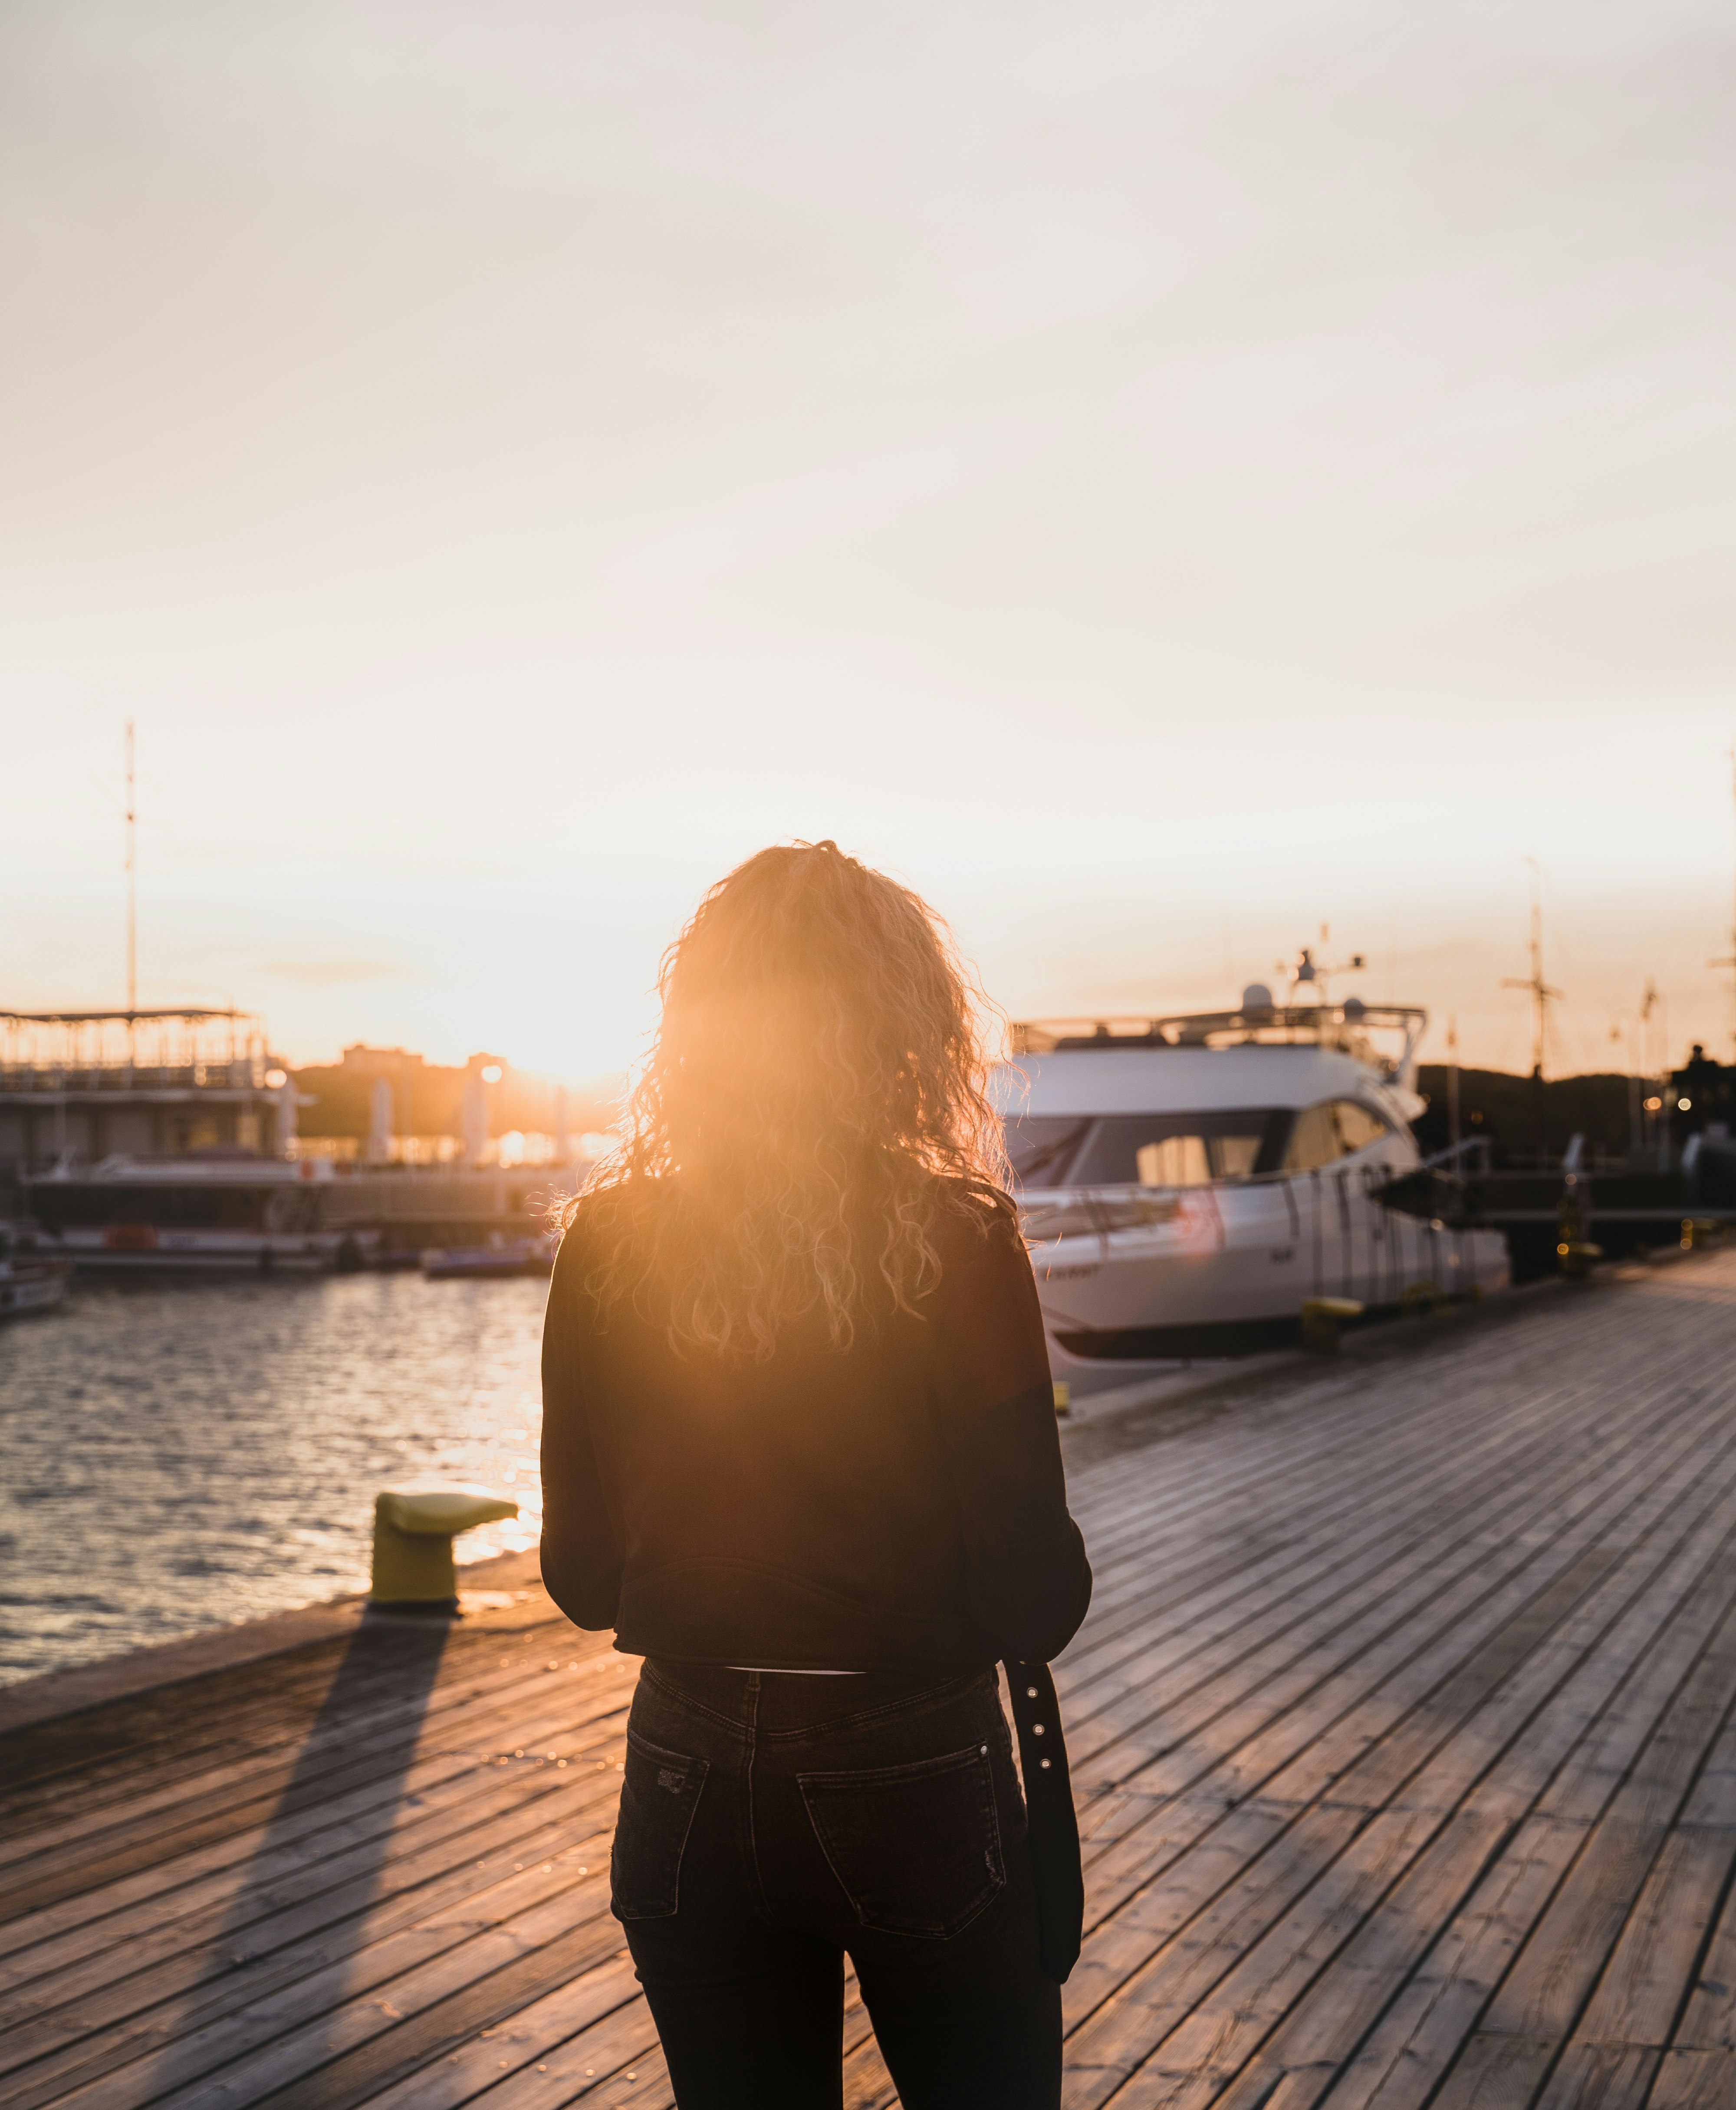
[297, 1916]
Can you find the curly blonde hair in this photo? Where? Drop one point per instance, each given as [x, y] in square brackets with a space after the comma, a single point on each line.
[812, 1107]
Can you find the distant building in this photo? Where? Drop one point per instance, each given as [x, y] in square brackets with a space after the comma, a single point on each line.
[77, 1087]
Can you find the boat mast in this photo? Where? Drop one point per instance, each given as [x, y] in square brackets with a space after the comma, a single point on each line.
[132, 812]
[1541, 997]
[1452, 1090]
[1731, 961]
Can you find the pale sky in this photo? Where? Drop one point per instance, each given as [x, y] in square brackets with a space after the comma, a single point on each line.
[1157, 478]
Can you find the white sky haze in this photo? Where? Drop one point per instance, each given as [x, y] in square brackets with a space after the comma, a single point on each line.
[1157, 478]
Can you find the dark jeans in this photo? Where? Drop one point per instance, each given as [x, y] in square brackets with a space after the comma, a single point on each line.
[771, 1824]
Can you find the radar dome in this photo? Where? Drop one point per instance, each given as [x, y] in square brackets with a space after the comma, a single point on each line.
[1256, 997]
[1355, 1008]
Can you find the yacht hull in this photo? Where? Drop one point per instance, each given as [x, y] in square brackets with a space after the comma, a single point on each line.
[1229, 1272]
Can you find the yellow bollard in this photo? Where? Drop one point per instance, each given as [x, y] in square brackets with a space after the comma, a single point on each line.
[1322, 1318]
[1063, 1397]
[414, 1527]
[1575, 1257]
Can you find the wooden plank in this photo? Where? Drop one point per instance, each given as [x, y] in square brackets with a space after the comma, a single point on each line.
[1601, 2077]
[161, 1738]
[465, 1826]
[1306, 1499]
[1316, 2040]
[297, 1864]
[1493, 2073]
[1199, 2043]
[93, 2037]
[1416, 2039]
[1244, 1744]
[1104, 1871]
[375, 1745]
[1695, 2081]
[121, 1908]
[1495, 1537]
[1311, 1540]
[249, 1772]
[1640, 1993]
[1298, 1600]
[339, 2037]
[570, 2043]
[1707, 2023]
[1563, 1960]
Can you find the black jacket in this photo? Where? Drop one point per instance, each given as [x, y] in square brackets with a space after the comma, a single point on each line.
[897, 1506]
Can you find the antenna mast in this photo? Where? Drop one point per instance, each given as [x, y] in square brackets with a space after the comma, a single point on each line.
[1541, 997]
[1452, 1090]
[132, 884]
[1730, 753]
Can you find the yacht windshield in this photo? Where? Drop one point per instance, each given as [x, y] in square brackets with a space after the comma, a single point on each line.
[1179, 1150]
[1039, 1146]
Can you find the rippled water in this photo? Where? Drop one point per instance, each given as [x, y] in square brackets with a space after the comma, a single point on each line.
[179, 1455]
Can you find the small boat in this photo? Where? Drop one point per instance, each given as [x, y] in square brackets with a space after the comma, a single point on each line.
[1187, 1183]
[395, 1260]
[30, 1281]
[500, 1257]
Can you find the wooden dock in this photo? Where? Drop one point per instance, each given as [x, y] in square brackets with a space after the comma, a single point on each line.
[1403, 1731]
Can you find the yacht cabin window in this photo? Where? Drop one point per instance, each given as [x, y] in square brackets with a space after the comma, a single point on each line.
[1178, 1150]
[1325, 1133]
[1174, 1160]
[1039, 1146]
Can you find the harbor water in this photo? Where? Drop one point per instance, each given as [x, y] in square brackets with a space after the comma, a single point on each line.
[179, 1455]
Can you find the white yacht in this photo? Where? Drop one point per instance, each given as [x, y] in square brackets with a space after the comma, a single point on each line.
[1187, 1184]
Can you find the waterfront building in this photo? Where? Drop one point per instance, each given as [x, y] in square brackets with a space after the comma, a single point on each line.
[78, 1087]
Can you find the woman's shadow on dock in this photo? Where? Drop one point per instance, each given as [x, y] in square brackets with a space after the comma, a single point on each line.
[289, 1941]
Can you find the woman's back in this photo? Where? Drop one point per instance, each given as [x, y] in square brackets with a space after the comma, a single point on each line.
[896, 1505]
[798, 1420]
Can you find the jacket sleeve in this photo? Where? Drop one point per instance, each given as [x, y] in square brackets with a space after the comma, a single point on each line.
[1029, 1581]
[581, 1555]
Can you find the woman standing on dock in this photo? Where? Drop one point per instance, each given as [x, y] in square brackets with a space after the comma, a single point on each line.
[799, 1451]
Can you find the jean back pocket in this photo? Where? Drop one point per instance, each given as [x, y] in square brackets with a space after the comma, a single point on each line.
[916, 1847]
[659, 1793]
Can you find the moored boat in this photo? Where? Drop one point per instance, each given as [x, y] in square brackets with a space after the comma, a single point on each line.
[501, 1257]
[1187, 1183]
[30, 1280]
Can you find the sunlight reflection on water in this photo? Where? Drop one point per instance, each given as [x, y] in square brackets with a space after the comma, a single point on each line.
[181, 1454]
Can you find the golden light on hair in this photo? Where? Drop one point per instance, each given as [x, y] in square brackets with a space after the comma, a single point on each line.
[814, 1102]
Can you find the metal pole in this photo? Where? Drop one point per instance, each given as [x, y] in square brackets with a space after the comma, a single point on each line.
[1452, 1090]
[1541, 996]
[1663, 1093]
[1636, 1118]
[132, 888]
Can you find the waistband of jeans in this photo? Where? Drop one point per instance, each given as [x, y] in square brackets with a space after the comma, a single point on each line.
[790, 1701]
